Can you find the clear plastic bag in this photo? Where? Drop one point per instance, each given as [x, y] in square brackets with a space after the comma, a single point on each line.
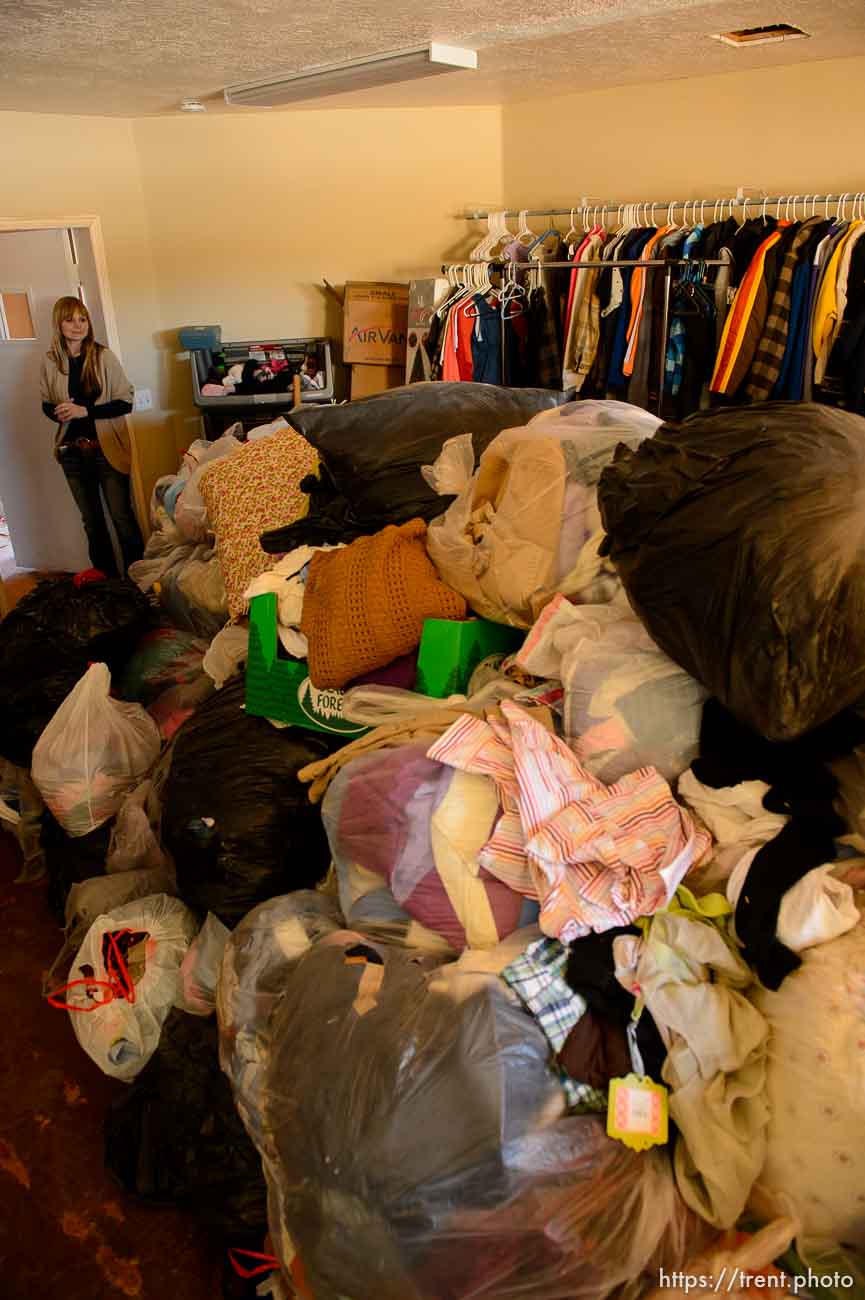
[190, 512]
[255, 960]
[199, 972]
[415, 1145]
[125, 980]
[21, 810]
[164, 657]
[92, 752]
[176, 705]
[727, 1263]
[192, 592]
[518, 525]
[626, 705]
[134, 845]
[162, 549]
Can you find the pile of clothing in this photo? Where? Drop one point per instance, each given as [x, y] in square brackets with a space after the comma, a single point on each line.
[543, 986]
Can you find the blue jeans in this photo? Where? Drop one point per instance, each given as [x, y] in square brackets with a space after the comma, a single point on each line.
[86, 472]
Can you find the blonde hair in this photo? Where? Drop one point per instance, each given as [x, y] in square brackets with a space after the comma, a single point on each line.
[65, 309]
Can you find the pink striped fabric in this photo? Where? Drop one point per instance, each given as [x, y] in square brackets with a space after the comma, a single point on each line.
[595, 856]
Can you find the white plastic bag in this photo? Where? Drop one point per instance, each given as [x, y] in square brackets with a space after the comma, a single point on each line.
[453, 468]
[92, 752]
[125, 980]
[228, 651]
[133, 845]
[89, 899]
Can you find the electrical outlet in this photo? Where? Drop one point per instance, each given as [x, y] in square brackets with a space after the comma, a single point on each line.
[143, 400]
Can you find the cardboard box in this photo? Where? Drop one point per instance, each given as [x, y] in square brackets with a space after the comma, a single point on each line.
[450, 651]
[374, 323]
[280, 688]
[366, 381]
[424, 296]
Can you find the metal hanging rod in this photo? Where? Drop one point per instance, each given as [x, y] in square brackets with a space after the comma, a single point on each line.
[597, 265]
[648, 205]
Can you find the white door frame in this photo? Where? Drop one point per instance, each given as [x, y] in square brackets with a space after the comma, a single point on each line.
[93, 225]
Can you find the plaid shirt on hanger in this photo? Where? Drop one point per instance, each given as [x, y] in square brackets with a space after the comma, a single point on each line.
[769, 357]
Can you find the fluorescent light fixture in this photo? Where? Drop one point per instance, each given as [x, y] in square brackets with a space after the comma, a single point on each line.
[355, 74]
[192, 106]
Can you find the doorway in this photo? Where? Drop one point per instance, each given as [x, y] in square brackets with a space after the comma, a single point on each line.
[42, 526]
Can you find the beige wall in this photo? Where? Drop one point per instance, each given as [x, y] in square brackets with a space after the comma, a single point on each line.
[234, 221]
[57, 167]
[782, 129]
[248, 213]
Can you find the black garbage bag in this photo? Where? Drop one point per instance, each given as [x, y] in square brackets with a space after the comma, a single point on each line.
[69, 861]
[235, 818]
[46, 643]
[174, 1137]
[105, 618]
[373, 449]
[33, 685]
[740, 538]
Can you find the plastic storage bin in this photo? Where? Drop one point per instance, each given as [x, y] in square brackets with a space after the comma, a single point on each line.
[295, 352]
[199, 337]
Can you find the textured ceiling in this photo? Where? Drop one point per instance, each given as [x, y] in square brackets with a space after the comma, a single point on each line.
[134, 58]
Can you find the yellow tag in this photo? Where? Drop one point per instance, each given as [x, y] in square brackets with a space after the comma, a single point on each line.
[637, 1112]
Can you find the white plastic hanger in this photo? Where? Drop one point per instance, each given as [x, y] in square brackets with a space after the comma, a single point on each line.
[485, 242]
[524, 234]
[502, 235]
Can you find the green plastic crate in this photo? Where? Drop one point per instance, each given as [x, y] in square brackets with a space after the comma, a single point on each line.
[280, 688]
[450, 651]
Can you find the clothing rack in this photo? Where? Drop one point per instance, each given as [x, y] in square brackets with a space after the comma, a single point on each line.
[516, 268]
[761, 202]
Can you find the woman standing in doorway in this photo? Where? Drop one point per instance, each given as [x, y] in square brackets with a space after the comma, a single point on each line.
[85, 390]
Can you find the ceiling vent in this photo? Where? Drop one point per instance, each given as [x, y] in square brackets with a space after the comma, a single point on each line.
[761, 35]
